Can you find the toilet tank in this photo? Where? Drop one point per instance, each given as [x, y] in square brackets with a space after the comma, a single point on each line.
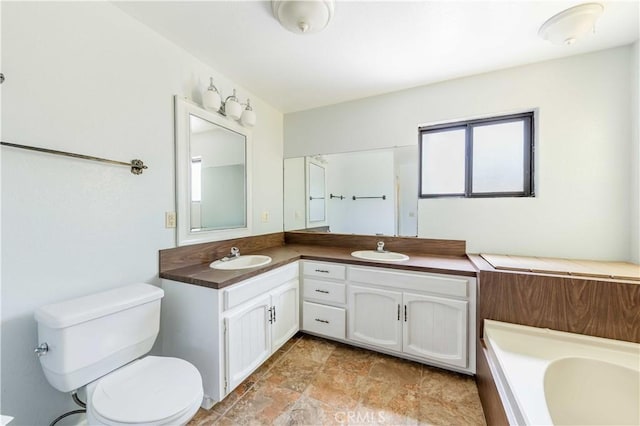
[92, 335]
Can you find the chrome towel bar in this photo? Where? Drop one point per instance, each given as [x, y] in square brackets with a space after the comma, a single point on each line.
[137, 166]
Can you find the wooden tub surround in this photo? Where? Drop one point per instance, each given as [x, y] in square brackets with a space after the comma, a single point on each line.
[608, 308]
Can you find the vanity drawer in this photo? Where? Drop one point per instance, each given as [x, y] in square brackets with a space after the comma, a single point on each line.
[326, 270]
[432, 283]
[237, 294]
[325, 320]
[324, 291]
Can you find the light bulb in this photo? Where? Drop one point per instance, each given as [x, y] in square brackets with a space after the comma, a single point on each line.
[232, 107]
[211, 97]
[248, 116]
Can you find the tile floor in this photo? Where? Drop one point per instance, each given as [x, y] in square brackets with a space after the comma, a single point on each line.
[312, 381]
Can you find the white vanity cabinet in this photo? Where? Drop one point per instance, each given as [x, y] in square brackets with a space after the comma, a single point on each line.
[228, 333]
[324, 299]
[375, 317]
[435, 328]
[421, 316]
[257, 329]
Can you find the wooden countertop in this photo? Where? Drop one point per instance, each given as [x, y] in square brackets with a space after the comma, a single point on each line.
[203, 275]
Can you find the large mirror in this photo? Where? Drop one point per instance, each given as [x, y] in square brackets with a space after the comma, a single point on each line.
[212, 176]
[366, 192]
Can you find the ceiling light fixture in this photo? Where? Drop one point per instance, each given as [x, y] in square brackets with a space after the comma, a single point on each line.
[231, 107]
[303, 16]
[569, 25]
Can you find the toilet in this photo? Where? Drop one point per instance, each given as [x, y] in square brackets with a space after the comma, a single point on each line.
[99, 341]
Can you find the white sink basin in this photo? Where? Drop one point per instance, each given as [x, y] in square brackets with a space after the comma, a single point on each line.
[241, 262]
[388, 256]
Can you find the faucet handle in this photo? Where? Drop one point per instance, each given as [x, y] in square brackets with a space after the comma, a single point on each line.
[380, 246]
[235, 251]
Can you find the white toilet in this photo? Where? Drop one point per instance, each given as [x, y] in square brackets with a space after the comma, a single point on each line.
[95, 341]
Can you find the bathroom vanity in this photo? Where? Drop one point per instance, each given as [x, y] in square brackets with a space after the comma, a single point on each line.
[230, 332]
[228, 323]
[420, 316]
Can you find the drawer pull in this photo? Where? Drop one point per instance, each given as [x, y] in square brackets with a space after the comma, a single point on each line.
[324, 271]
[323, 321]
[322, 291]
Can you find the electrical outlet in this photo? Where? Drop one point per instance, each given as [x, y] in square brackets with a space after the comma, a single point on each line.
[265, 216]
[170, 220]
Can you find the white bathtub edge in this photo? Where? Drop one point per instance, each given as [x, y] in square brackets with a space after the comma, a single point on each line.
[521, 355]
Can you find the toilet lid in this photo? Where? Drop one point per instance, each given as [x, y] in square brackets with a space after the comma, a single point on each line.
[148, 390]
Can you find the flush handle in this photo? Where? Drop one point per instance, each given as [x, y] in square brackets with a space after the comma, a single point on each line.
[41, 349]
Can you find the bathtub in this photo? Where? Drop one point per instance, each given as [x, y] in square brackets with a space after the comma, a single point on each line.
[551, 377]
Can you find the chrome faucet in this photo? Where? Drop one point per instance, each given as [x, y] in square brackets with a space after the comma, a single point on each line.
[235, 252]
[380, 247]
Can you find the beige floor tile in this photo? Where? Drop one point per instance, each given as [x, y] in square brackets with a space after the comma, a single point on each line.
[309, 411]
[350, 359]
[435, 412]
[339, 390]
[204, 418]
[448, 386]
[312, 381]
[397, 372]
[263, 404]
[313, 348]
[400, 400]
[235, 395]
[293, 372]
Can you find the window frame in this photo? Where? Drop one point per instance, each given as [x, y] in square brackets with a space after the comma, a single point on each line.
[527, 118]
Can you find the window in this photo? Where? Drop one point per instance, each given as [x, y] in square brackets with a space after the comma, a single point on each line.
[491, 157]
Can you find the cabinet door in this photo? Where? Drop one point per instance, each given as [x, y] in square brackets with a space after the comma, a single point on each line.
[435, 328]
[247, 339]
[286, 317]
[374, 317]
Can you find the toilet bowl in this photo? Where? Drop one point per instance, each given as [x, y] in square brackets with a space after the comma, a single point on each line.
[99, 342]
[151, 391]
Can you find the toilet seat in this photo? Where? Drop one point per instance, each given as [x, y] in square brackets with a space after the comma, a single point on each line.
[151, 390]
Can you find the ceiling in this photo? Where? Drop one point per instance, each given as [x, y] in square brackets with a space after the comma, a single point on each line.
[370, 47]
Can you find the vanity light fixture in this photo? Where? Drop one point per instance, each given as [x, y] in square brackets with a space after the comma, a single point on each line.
[569, 25]
[303, 16]
[231, 107]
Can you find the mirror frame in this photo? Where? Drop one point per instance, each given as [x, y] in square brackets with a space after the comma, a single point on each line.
[184, 236]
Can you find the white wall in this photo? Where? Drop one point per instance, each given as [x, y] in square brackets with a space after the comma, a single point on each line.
[582, 203]
[634, 158]
[86, 78]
